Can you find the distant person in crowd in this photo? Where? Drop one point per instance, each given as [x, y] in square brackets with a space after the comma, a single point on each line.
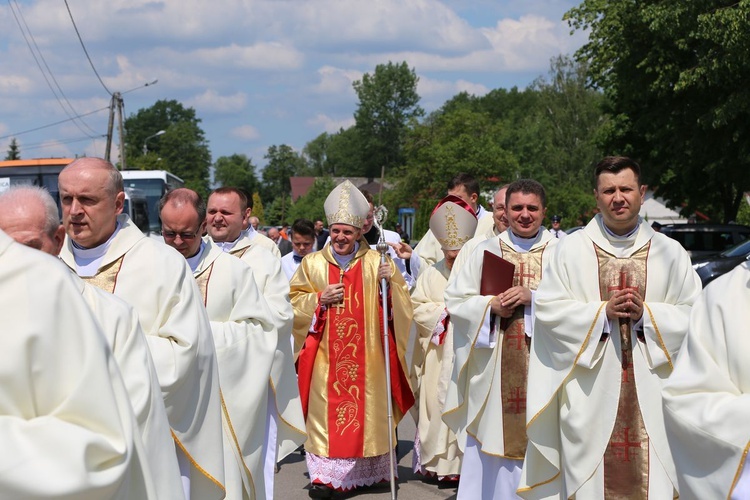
[303, 242]
[245, 338]
[706, 398]
[611, 313]
[66, 425]
[284, 231]
[105, 248]
[401, 232]
[436, 450]
[284, 245]
[321, 234]
[341, 365]
[556, 231]
[486, 399]
[254, 222]
[29, 215]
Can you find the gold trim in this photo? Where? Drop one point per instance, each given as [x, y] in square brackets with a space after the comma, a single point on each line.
[225, 411]
[195, 464]
[658, 334]
[529, 488]
[739, 471]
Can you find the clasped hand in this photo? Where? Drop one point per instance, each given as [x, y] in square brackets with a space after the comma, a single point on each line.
[505, 303]
[626, 303]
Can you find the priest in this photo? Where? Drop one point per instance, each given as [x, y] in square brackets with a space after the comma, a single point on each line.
[436, 451]
[611, 313]
[707, 397]
[337, 316]
[105, 248]
[243, 333]
[486, 401]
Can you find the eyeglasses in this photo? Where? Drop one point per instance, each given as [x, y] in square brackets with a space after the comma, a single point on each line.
[170, 235]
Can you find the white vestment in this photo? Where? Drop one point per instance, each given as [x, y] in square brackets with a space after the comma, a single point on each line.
[66, 425]
[287, 412]
[575, 373]
[707, 397]
[155, 279]
[252, 237]
[119, 323]
[289, 265]
[245, 339]
[475, 403]
[431, 368]
[470, 245]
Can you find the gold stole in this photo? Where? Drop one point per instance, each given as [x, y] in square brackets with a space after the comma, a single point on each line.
[106, 277]
[239, 253]
[202, 280]
[626, 457]
[514, 360]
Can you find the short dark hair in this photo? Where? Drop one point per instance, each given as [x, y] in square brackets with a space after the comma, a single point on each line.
[526, 186]
[244, 203]
[185, 196]
[303, 227]
[615, 164]
[367, 195]
[467, 181]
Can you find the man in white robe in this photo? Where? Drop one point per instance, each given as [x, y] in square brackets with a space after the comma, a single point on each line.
[226, 217]
[303, 242]
[244, 335]
[29, 215]
[436, 451]
[486, 400]
[66, 425]
[107, 250]
[499, 224]
[611, 313]
[707, 397]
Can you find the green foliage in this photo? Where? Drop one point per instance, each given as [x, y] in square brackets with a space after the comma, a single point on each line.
[14, 152]
[182, 149]
[276, 212]
[388, 105]
[743, 214]
[675, 76]
[310, 206]
[238, 171]
[283, 163]
[258, 208]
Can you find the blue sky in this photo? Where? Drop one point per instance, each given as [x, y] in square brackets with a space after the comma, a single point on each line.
[258, 73]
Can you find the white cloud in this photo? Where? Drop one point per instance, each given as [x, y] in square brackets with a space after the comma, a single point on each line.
[246, 133]
[267, 55]
[336, 81]
[211, 101]
[325, 123]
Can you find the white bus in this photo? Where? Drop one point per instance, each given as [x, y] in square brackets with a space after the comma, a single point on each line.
[152, 184]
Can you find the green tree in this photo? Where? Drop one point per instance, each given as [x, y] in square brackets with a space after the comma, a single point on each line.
[14, 152]
[258, 208]
[283, 163]
[238, 171]
[310, 206]
[675, 76]
[388, 105]
[182, 149]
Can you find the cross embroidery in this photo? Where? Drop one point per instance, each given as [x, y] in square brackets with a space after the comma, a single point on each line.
[522, 275]
[517, 401]
[625, 379]
[623, 285]
[626, 444]
[519, 337]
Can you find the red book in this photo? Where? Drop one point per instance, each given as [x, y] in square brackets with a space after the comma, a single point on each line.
[497, 274]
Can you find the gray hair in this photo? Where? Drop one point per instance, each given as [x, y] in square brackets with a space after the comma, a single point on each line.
[19, 195]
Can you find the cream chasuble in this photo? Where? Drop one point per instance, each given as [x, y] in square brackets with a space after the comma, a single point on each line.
[274, 286]
[66, 425]
[245, 340]
[486, 398]
[157, 282]
[470, 245]
[257, 240]
[431, 370]
[347, 409]
[707, 397]
[576, 372]
[124, 335]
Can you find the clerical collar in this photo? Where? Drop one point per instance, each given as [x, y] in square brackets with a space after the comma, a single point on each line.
[196, 259]
[481, 212]
[524, 244]
[616, 237]
[227, 246]
[88, 260]
[344, 260]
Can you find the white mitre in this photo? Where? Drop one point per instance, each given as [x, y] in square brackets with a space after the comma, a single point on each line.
[453, 222]
[346, 205]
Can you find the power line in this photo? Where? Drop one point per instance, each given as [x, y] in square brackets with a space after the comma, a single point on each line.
[16, 134]
[84, 49]
[36, 59]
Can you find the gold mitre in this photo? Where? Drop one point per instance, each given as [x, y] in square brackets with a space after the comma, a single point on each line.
[453, 222]
[346, 205]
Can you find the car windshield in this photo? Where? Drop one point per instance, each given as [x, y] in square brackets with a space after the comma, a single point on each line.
[737, 250]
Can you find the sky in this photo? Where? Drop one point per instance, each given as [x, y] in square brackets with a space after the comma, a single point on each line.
[257, 72]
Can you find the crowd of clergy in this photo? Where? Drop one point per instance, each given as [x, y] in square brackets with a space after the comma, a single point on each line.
[536, 366]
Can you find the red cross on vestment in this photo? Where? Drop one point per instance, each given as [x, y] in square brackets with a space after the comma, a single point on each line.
[522, 275]
[625, 445]
[626, 372]
[519, 337]
[623, 285]
[517, 401]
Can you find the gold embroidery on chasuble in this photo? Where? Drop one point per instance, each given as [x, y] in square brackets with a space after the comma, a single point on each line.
[239, 253]
[626, 457]
[106, 277]
[514, 361]
[202, 280]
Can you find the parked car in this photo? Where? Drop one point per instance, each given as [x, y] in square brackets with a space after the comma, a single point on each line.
[710, 268]
[702, 240]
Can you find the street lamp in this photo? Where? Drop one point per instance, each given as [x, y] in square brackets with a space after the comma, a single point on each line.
[145, 148]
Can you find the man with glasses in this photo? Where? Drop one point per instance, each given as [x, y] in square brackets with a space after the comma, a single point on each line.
[105, 248]
[243, 333]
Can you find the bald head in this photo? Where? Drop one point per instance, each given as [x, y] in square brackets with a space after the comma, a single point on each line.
[28, 214]
[114, 183]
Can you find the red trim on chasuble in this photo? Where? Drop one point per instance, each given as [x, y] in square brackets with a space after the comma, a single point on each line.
[346, 368]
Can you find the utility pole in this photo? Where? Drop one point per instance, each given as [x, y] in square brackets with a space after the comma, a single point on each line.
[120, 106]
[110, 126]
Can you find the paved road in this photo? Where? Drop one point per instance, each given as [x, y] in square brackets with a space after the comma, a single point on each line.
[292, 480]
